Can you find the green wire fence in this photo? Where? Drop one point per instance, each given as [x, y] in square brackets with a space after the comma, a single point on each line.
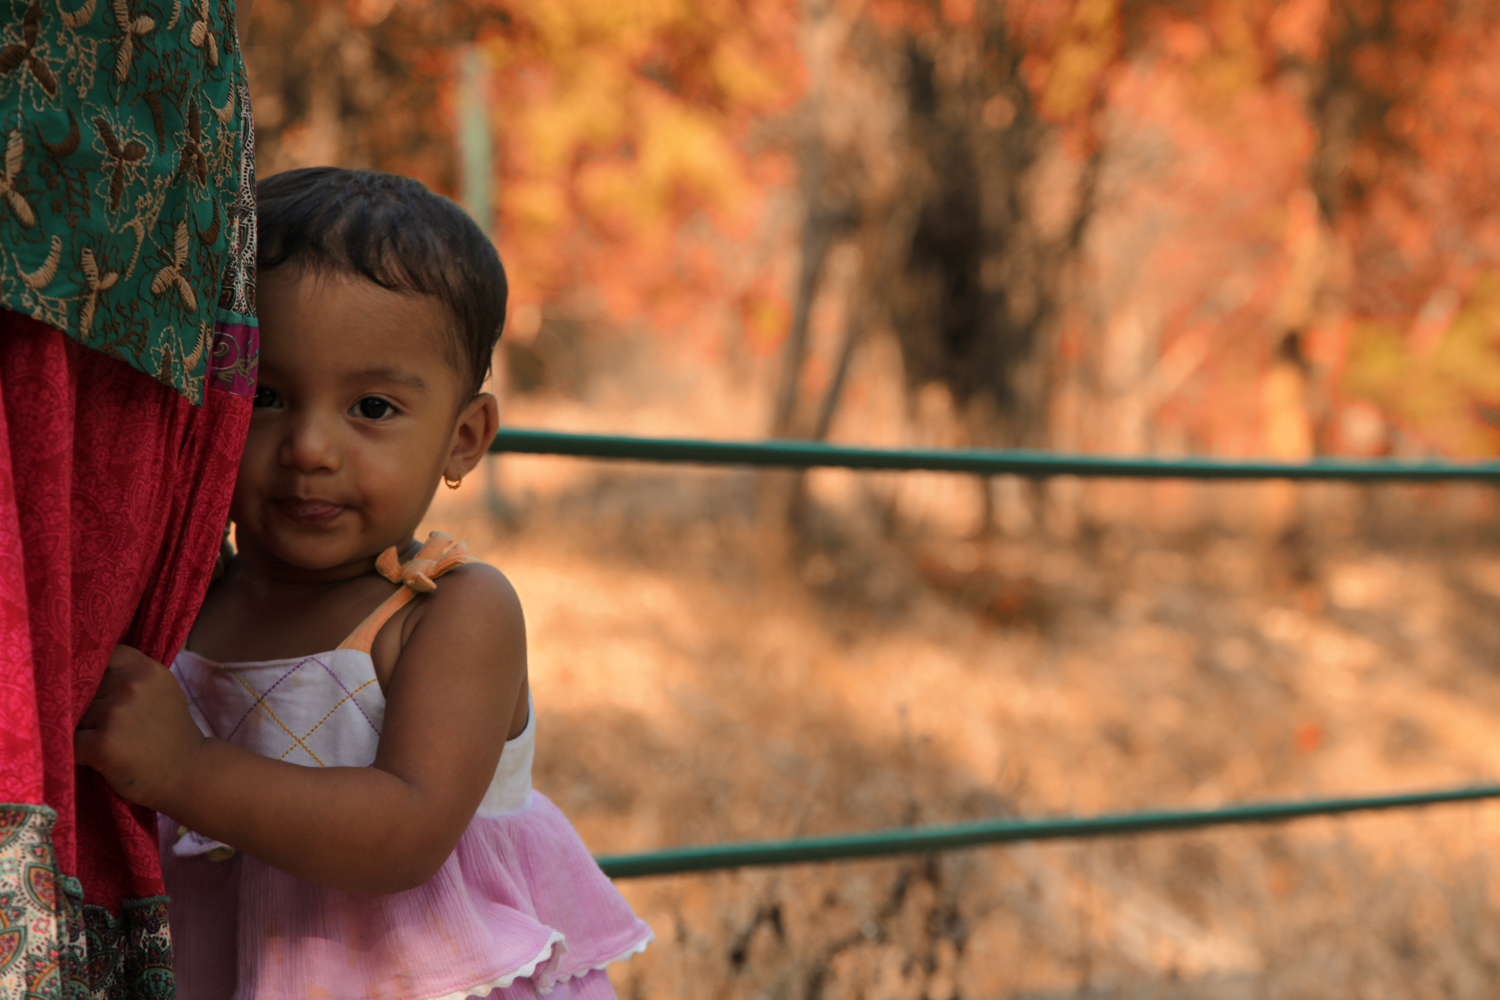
[993, 462]
[978, 461]
[913, 840]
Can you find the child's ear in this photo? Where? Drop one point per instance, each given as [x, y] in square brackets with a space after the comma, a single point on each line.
[476, 428]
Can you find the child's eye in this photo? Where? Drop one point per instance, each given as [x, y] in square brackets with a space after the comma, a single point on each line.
[265, 398]
[374, 408]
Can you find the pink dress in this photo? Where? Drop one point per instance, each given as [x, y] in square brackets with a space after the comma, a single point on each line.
[518, 909]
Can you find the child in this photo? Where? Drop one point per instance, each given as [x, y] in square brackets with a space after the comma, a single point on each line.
[357, 817]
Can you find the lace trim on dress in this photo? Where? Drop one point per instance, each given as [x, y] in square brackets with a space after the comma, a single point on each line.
[525, 972]
[634, 950]
[548, 985]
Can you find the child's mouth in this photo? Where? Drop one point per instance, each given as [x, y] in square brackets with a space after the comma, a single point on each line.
[309, 511]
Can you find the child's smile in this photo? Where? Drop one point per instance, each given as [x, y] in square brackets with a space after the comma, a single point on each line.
[358, 411]
[309, 510]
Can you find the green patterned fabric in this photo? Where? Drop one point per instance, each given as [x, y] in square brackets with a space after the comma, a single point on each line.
[127, 193]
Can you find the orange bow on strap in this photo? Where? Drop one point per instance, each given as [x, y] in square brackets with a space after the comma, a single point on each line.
[439, 554]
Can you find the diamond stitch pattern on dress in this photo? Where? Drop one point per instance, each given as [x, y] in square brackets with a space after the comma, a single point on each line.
[260, 699]
[373, 728]
[329, 715]
[260, 703]
[297, 710]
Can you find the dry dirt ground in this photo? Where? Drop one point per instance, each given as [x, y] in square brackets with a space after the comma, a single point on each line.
[691, 689]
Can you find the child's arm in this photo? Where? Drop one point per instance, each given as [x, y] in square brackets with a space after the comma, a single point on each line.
[374, 829]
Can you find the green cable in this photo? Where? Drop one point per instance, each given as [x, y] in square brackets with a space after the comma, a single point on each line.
[1002, 831]
[978, 461]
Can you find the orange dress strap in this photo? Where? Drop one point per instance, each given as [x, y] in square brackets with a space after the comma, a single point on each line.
[439, 554]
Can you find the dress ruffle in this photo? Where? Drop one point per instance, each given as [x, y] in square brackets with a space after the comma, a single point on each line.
[520, 898]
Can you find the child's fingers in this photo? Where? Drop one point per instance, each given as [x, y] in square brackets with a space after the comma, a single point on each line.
[130, 731]
[93, 715]
[110, 689]
[108, 694]
[86, 747]
[127, 667]
[131, 662]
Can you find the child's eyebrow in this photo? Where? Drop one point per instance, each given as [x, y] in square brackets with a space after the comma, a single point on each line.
[408, 379]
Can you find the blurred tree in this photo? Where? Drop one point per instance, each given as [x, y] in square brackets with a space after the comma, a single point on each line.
[1416, 84]
[620, 120]
[922, 148]
[615, 120]
[1098, 223]
[1385, 110]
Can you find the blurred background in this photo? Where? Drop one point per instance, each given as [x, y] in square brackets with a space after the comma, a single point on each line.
[1222, 227]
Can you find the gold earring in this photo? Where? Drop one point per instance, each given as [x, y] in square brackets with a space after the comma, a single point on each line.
[454, 484]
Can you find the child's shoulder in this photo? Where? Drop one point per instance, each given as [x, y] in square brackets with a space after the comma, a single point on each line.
[475, 596]
[471, 621]
[479, 581]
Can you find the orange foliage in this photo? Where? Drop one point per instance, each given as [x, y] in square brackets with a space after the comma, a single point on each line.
[618, 120]
[616, 123]
[1427, 344]
[1314, 176]
[1388, 111]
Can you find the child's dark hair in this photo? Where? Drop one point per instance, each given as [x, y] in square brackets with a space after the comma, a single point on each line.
[392, 231]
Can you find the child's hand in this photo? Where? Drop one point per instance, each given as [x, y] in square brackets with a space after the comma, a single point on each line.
[137, 731]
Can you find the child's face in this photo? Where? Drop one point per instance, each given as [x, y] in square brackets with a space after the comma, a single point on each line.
[359, 411]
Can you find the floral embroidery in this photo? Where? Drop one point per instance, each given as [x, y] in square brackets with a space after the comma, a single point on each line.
[127, 184]
[53, 946]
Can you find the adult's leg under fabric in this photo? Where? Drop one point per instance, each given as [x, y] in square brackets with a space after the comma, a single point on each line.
[114, 493]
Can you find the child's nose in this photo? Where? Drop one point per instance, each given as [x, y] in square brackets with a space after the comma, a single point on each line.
[310, 447]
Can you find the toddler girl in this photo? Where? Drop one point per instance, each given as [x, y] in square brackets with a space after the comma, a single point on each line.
[348, 777]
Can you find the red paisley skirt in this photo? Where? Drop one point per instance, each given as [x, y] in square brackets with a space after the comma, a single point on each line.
[114, 494]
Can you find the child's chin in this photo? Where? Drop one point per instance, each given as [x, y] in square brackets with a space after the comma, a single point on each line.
[317, 563]
[313, 557]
